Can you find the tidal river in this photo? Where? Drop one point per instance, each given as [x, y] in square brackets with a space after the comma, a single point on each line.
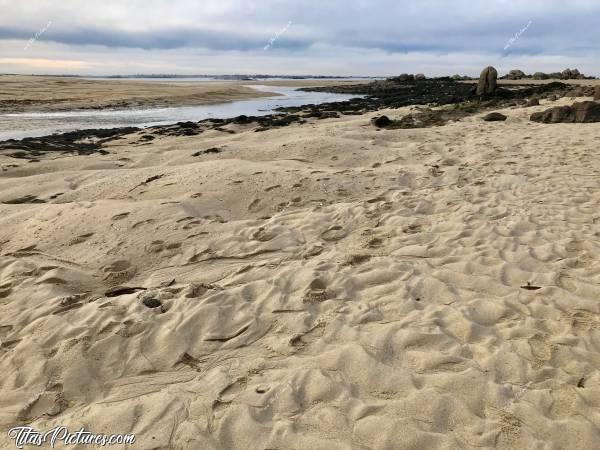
[18, 126]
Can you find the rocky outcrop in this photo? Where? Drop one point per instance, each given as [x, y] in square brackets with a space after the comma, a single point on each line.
[516, 75]
[420, 77]
[532, 102]
[582, 112]
[597, 93]
[567, 74]
[405, 77]
[487, 81]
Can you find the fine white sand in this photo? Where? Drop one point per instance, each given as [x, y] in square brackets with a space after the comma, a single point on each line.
[323, 286]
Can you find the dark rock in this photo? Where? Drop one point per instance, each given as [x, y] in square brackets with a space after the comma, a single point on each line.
[81, 142]
[381, 122]
[420, 77]
[243, 119]
[540, 76]
[597, 93]
[213, 150]
[533, 102]
[487, 81]
[117, 291]
[187, 125]
[23, 200]
[573, 74]
[494, 117]
[151, 302]
[581, 112]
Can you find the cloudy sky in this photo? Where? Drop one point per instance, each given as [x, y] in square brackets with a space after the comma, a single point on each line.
[330, 37]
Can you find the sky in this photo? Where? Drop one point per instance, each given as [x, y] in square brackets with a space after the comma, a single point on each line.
[301, 37]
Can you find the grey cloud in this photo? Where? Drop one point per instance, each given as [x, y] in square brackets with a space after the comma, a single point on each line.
[390, 28]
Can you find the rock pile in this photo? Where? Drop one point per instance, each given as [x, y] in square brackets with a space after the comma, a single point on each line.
[567, 74]
[515, 75]
[408, 77]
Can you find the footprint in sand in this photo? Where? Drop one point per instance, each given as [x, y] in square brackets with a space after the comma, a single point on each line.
[49, 403]
[264, 236]
[315, 250]
[317, 292]
[300, 341]
[162, 246]
[335, 233]
[144, 222]
[119, 271]
[254, 206]
[23, 200]
[80, 239]
[355, 260]
[5, 290]
[228, 394]
[413, 229]
[375, 243]
[119, 216]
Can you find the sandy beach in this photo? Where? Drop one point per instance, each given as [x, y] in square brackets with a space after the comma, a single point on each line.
[324, 285]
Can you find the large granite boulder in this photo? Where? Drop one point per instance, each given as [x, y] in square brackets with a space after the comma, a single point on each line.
[573, 74]
[420, 77]
[516, 75]
[540, 76]
[582, 112]
[487, 81]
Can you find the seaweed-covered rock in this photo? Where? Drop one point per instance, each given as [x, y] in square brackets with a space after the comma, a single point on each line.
[581, 112]
[381, 121]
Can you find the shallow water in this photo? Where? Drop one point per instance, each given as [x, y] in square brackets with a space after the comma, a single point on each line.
[18, 126]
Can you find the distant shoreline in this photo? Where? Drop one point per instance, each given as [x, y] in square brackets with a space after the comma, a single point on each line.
[59, 94]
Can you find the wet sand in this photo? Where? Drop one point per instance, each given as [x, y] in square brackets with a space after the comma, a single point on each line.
[20, 93]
